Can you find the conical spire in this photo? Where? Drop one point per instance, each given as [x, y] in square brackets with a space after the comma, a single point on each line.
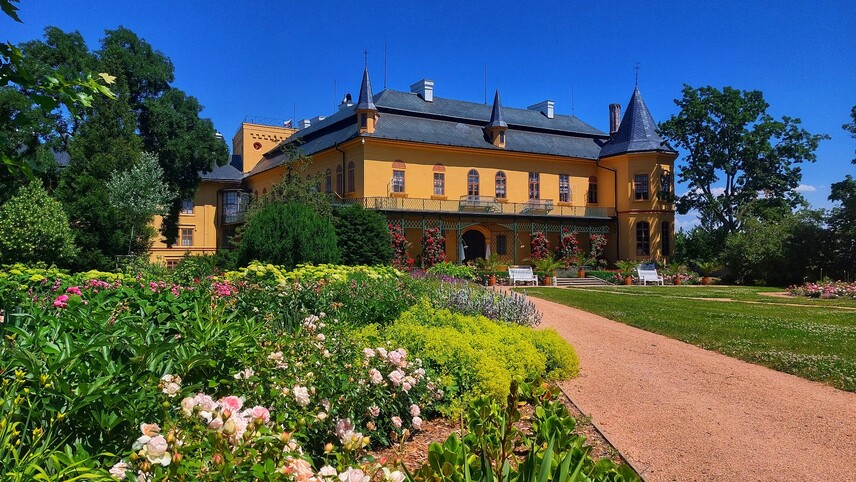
[366, 101]
[496, 114]
[637, 132]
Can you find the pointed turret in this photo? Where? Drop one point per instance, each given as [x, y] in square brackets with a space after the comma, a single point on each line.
[497, 127]
[366, 110]
[637, 132]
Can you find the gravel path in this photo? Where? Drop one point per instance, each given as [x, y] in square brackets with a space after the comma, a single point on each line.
[679, 412]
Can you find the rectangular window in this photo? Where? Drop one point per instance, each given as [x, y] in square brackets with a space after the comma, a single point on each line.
[643, 239]
[666, 183]
[187, 236]
[230, 202]
[500, 185]
[187, 206]
[352, 185]
[564, 188]
[534, 185]
[666, 235]
[592, 192]
[640, 185]
[501, 244]
[439, 184]
[364, 121]
[172, 263]
[397, 181]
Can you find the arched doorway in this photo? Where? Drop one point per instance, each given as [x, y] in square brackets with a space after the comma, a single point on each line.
[474, 245]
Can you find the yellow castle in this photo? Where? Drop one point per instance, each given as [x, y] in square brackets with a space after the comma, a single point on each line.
[488, 176]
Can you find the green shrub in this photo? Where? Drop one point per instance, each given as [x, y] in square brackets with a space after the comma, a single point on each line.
[193, 268]
[288, 235]
[454, 270]
[474, 355]
[34, 227]
[363, 236]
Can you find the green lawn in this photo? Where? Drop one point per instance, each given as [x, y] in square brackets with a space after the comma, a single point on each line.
[818, 343]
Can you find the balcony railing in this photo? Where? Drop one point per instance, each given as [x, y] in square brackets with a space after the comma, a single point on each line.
[480, 205]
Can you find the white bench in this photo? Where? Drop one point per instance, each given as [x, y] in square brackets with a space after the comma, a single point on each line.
[649, 274]
[523, 274]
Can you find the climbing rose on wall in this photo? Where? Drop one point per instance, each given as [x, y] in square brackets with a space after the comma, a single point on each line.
[598, 242]
[570, 245]
[400, 259]
[540, 247]
[433, 247]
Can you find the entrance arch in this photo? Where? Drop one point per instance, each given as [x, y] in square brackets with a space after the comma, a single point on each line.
[475, 244]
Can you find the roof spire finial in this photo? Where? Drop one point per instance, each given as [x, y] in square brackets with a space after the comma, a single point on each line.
[366, 99]
[496, 119]
[637, 73]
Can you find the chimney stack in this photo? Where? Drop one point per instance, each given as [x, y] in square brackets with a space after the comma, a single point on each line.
[614, 118]
[545, 107]
[425, 89]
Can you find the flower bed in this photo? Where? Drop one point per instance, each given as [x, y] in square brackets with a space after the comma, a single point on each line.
[261, 374]
[825, 290]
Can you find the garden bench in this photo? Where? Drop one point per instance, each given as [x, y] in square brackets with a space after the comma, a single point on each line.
[649, 273]
[523, 274]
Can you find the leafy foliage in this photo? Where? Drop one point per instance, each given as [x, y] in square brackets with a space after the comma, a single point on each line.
[473, 300]
[433, 247]
[288, 235]
[733, 144]
[453, 270]
[400, 247]
[35, 228]
[363, 236]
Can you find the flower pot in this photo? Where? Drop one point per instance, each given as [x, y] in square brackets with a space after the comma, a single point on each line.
[491, 280]
[581, 273]
[628, 280]
[705, 280]
[548, 281]
[677, 280]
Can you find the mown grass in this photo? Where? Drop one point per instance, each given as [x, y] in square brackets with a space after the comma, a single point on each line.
[813, 342]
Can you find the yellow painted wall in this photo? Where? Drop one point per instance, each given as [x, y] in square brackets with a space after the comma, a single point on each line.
[420, 159]
[203, 221]
[252, 141]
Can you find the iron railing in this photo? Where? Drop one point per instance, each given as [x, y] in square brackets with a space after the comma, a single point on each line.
[480, 205]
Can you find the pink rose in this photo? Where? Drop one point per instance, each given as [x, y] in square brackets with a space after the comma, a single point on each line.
[61, 301]
[261, 413]
[302, 470]
[396, 422]
[216, 424]
[149, 429]
[374, 410]
[120, 470]
[375, 376]
[396, 376]
[232, 403]
[417, 423]
[368, 352]
[414, 410]
[187, 405]
[353, 475]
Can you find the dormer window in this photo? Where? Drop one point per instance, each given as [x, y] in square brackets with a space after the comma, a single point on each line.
[502, 137]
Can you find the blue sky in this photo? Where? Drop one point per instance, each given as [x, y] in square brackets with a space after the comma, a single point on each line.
[282, 59]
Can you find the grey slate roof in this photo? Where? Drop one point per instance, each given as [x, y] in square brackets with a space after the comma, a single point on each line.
[496, 113]
[366, 102]
[405, 116]
[225, 173]
[637, 132]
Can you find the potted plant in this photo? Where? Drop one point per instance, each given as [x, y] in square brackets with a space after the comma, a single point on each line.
[627, 268]
[580, 260]
[706, 270]
[548, 266]
[490, 265]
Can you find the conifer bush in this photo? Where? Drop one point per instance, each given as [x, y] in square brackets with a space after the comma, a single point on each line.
[288, 235]
[363, 236]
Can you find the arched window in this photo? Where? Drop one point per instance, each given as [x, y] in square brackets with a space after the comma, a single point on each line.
[500, 185]
[340, 187]
[473, 183]
[398, 176]
[564, 188]
[592, 190]
[439, 180]
[328, 181]
[534, 185]
[643, 238]
[666, 238]
[352, 185]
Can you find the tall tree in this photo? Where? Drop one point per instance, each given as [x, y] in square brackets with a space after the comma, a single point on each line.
[737, 154]
[186, 144]
[851, 127]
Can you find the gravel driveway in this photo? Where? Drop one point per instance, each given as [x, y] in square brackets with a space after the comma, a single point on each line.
[679, 412]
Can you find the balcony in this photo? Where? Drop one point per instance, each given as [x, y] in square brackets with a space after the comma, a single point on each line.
[482, 205]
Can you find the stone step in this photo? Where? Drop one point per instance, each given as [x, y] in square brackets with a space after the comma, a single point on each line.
[587, 281]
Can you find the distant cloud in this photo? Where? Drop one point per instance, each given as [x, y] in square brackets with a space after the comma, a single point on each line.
[686, 221]
[805, 188]
[716, 191]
